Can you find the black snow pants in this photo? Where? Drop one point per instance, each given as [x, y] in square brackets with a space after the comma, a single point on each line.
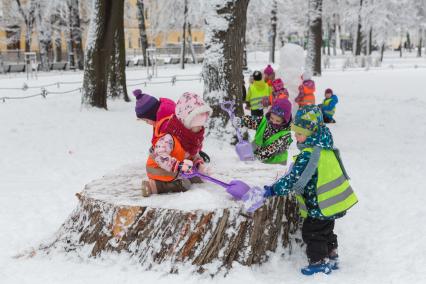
[319, 238]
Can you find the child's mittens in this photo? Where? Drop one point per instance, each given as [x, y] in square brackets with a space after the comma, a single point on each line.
[268, 191]
[185, 166]
[202, 168]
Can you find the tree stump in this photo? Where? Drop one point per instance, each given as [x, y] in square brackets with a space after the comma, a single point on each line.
[163, 233]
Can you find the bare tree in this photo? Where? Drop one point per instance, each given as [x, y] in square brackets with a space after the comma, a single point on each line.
[223, 64]
[313, 59]
[142, 30]
[183, 47]
[76, 44]
[28, 11]
[358, 45]
[274, 12]
[105, 48]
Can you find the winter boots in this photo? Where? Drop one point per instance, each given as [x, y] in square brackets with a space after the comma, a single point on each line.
[317, 267]
[324, 266]
[179, 185]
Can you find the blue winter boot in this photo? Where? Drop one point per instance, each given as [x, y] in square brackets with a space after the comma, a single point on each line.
[334, 260]
[317, 267]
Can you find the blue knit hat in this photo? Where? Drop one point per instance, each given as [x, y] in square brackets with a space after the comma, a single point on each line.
[308, 119]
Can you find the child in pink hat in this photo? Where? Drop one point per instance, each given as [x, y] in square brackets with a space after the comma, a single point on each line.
[177, 149]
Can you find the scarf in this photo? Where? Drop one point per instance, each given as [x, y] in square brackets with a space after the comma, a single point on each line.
[191, 142]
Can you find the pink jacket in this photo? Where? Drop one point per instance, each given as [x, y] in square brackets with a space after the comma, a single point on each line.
[167, 108]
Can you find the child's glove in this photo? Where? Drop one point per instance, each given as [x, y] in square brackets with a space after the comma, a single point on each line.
[202, 168]
[268, 191]
[185, 166]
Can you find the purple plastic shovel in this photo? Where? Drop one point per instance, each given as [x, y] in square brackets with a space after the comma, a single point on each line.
[244, 148]
[252, 197]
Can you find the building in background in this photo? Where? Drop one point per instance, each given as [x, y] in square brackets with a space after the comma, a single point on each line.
[13, 30]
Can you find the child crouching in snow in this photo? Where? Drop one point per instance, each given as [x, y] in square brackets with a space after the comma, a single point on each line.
[322, 189]
[273, 135]
[177, 148]
[156, 113]
[306, 94]
[328, 107]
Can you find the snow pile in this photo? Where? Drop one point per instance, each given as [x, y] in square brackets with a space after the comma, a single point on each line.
[292, 62]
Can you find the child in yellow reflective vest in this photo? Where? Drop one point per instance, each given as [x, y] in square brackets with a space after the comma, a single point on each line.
[322, 189]
[328, 106]
[256, 92]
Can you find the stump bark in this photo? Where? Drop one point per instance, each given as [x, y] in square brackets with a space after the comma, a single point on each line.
[167, 239]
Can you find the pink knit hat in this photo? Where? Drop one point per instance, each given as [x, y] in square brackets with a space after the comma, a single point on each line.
[191, 109]
[278, 85]
[268, 70]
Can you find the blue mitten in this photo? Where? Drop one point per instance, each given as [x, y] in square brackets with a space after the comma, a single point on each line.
[268, 191]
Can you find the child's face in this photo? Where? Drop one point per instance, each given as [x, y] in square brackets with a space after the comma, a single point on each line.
[300, 138]
[149, 121]
[328, 95]
[275, 119]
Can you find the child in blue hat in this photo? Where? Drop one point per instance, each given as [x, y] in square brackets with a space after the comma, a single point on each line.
[322, 189]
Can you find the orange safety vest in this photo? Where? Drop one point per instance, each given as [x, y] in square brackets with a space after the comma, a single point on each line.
[153, 170]
[281, 95]
[308, 99]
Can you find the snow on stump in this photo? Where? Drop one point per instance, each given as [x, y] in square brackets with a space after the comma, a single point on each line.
[203, 227]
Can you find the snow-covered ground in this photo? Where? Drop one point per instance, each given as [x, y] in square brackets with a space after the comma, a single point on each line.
[50, 148]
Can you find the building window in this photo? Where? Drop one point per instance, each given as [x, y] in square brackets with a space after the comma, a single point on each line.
[195, 39]
[178, 39]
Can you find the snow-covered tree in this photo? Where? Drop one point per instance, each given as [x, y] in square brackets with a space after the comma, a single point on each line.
[104, 63]
[142, 30]
[75, 32]
[223, 64]
[313, 58]
[28, 12]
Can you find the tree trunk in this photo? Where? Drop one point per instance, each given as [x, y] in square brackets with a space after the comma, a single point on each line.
[117, 72]
[75, 33]
[329, 36]
[273, 30]
[106, 21]
[29, 19]
[382, 51]
[44, 36]
[55, 21]
[191, 46]
[183, 50]
[358, 45]
[223, 63]
[419, 47]
[400, 48]
[111, 216]
[313, 59]
[370, 41]
[142, 31]
[408, 42]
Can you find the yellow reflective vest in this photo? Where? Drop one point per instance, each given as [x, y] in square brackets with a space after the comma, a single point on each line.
[256, 92]
[334, 193]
